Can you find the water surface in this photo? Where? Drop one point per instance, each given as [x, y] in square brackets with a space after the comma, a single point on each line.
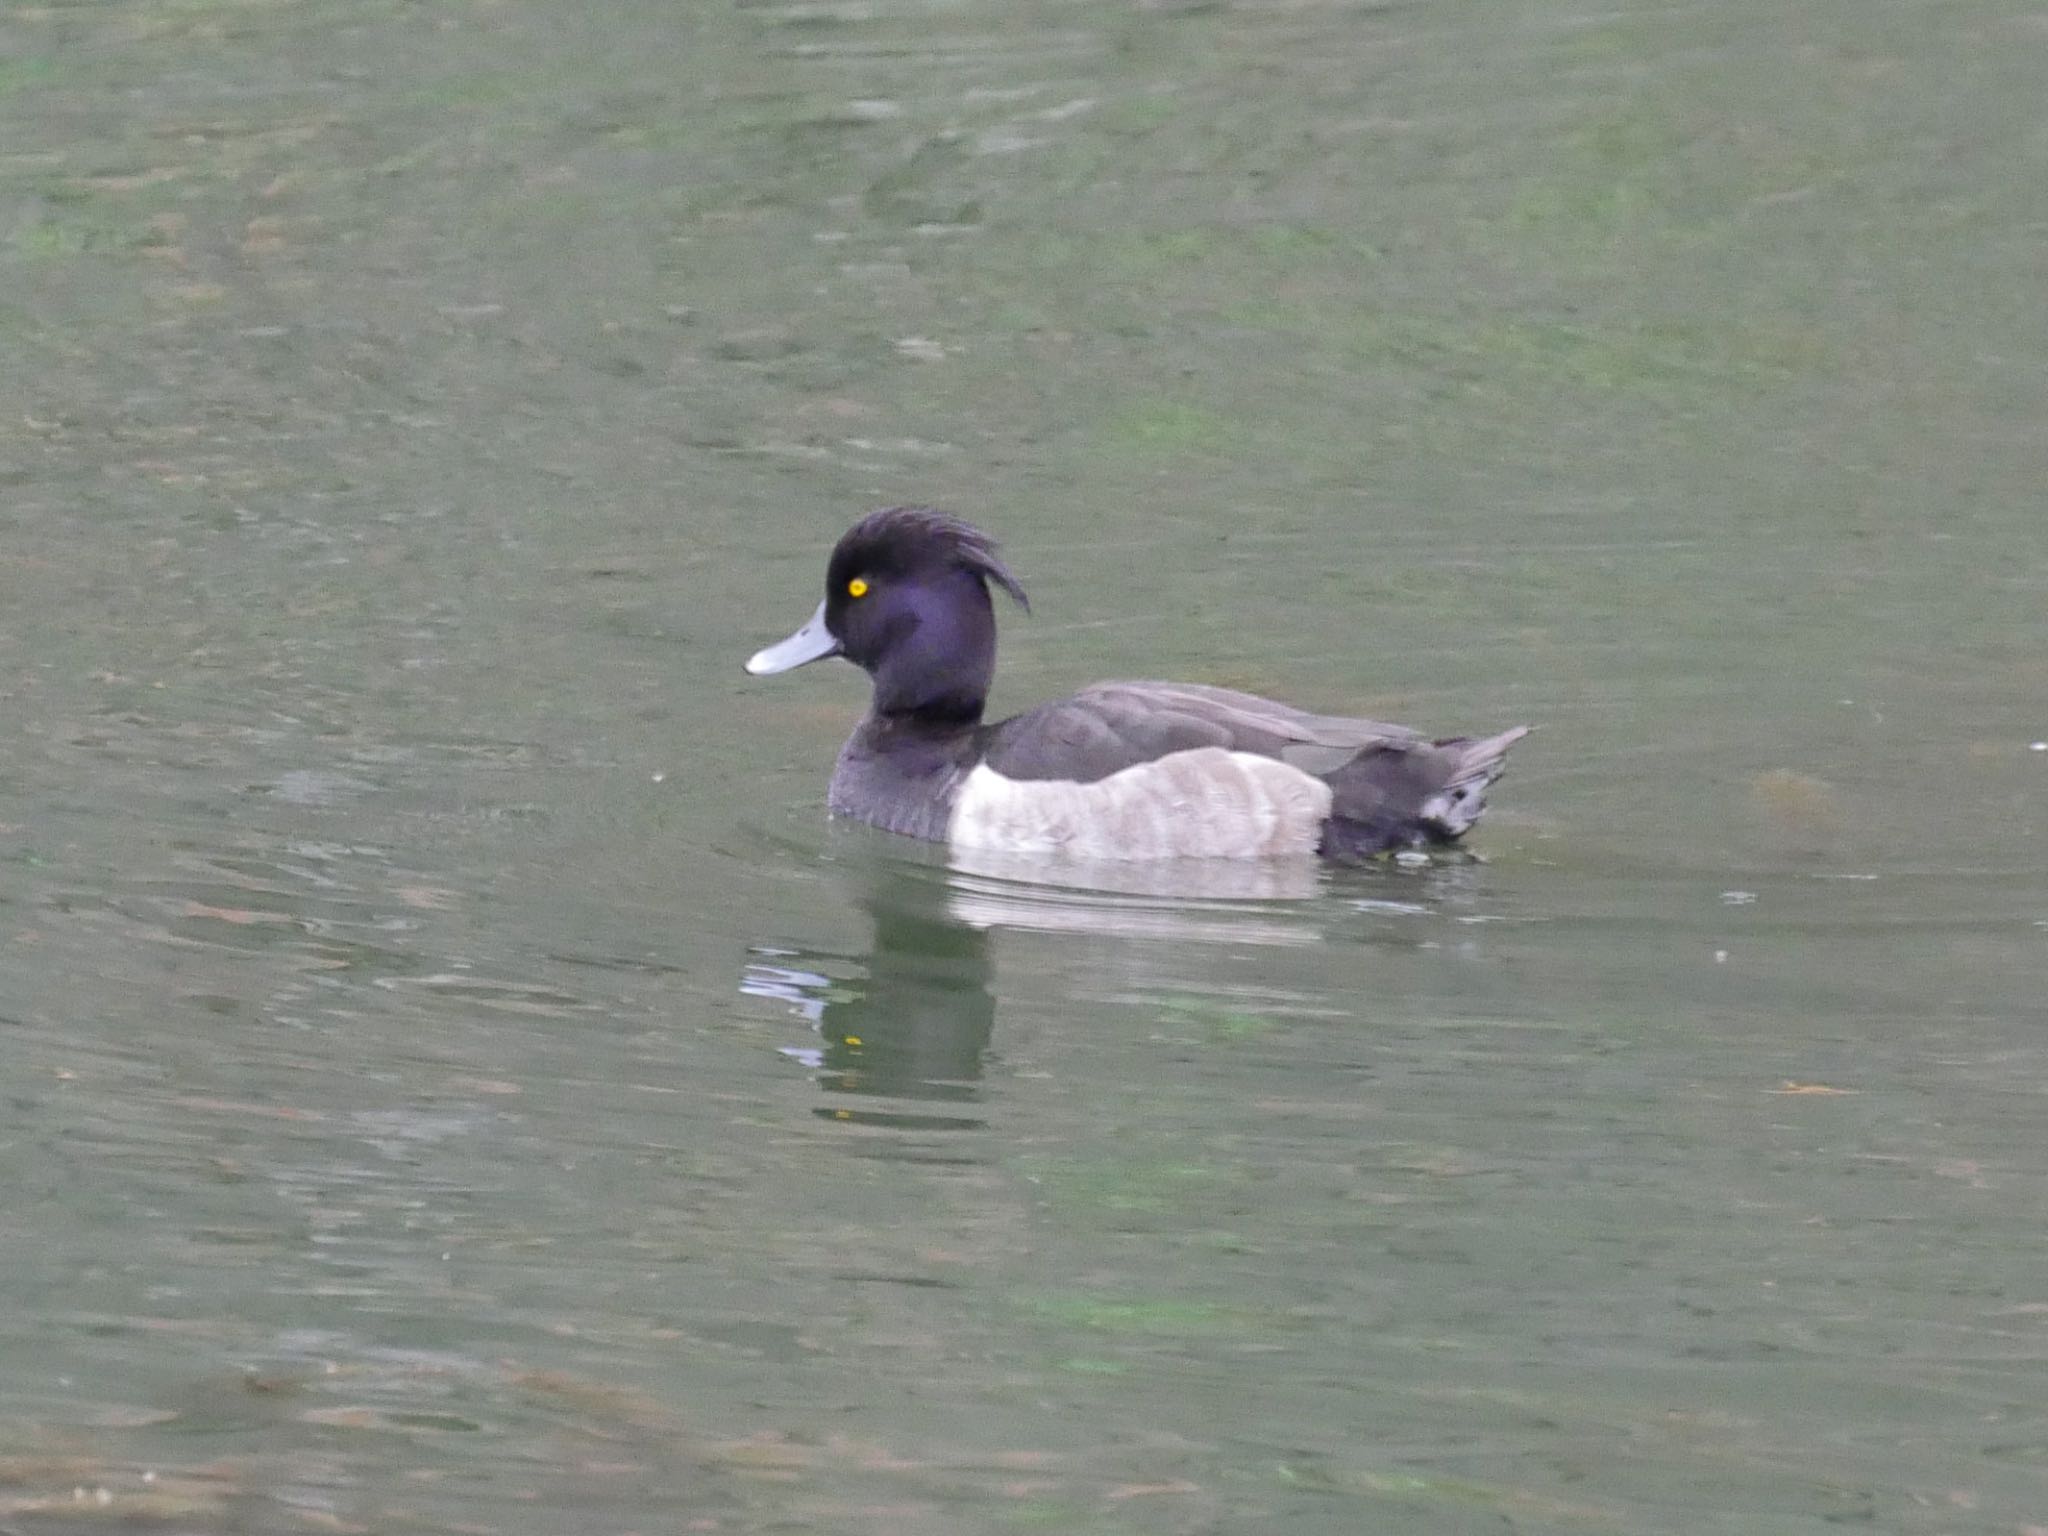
[458, 1081]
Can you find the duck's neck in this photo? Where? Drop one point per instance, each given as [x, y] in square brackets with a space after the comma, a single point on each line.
[932, 715]
[937, 676]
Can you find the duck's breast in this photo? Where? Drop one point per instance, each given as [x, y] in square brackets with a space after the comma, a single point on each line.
[1206, 803]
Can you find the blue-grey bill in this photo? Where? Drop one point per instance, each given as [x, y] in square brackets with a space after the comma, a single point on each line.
[813, 642]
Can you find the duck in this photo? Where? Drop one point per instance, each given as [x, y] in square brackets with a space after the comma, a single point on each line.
[1118, 771]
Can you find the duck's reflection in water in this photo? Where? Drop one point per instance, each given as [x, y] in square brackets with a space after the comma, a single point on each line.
[915, 1027]
[902, 1033]
[1190, 901]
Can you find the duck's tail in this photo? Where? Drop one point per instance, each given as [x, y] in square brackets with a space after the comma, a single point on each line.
[1449, 814]
[1397, 796]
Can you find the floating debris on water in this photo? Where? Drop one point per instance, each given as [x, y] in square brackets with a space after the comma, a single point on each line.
[1798, 807]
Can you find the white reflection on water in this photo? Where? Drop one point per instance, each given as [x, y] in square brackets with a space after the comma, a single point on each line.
[1195, 900]
[802, 991]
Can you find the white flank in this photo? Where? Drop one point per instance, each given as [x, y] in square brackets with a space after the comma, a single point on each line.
[1206, 804]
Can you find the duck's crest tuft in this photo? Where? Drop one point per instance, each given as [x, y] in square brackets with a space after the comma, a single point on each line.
[910, 537]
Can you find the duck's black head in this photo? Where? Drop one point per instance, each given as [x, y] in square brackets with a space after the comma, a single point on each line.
[906, 600]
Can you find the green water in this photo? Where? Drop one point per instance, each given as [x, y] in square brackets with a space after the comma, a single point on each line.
[456, 1080]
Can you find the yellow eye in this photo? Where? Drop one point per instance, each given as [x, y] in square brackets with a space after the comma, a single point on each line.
[856, 588]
